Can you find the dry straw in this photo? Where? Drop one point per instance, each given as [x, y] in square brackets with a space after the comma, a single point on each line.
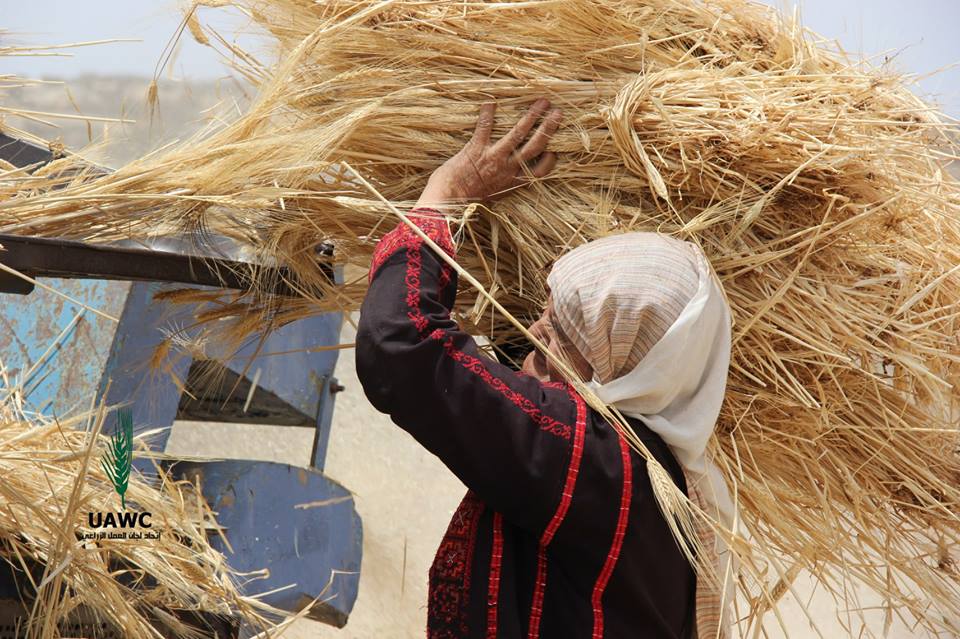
[52, 480]
[818, 186]
[10, 116]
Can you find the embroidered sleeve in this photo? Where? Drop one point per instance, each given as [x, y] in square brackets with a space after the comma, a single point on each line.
[509, 438]
[430, 222]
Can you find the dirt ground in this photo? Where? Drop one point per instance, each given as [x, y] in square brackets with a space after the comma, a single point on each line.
[405, 497]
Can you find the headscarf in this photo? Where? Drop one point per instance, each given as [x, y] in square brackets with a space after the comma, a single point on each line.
[648, 314]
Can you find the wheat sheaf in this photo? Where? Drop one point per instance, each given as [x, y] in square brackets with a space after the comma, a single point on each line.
[118, 457]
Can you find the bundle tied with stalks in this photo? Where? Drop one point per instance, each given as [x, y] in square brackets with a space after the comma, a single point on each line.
[52, 480]
[818, 186]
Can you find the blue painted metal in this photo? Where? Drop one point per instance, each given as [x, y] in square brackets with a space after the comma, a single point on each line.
[128, 377]
[94, 356]
[41, 332]
[297, 522]
[328, 390]
[298, 374]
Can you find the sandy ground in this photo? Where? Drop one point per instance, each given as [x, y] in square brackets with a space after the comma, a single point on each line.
[406, 497]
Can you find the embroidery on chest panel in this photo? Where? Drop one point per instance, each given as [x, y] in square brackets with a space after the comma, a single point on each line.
[450, 573]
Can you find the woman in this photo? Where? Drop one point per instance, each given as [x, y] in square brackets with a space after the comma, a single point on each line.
[559, 534]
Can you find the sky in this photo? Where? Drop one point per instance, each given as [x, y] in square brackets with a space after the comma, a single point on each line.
[920, 35]
[150, 23]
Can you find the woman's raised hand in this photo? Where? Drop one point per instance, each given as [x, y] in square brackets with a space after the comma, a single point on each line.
[484, 169]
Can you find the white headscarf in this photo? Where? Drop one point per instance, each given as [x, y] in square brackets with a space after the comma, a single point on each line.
[648, 313]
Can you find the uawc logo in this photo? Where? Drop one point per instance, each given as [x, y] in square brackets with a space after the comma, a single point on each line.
[117, 463]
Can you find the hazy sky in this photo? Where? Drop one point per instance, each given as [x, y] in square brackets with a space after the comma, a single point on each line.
[922, 34]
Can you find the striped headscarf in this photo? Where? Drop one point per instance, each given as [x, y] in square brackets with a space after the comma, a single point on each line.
[648, 315]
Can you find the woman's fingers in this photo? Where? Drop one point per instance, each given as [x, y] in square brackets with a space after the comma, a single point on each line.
[541, 168]
[544, 165]
[538, 141]
[520, 130]
[485, 122]
[484, 170]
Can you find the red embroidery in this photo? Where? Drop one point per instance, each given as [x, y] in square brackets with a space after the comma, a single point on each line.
[548, 384]
[444, 276]
[618, 534]
[412, 280]
[475, 365]
[429, 221]
[493, 583]
[573, 469]
[387, 246]
[450, 573]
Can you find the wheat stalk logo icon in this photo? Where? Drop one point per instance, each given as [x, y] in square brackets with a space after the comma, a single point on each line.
[118, 457]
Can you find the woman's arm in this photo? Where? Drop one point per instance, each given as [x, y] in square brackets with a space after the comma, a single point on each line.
[510, 438]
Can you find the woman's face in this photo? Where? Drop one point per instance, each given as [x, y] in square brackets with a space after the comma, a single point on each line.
[536, 363]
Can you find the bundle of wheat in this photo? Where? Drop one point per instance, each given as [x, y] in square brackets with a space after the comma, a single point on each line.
[818, 187]
[57, 506]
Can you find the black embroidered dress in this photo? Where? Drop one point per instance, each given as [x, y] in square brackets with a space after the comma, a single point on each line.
[559, 534]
